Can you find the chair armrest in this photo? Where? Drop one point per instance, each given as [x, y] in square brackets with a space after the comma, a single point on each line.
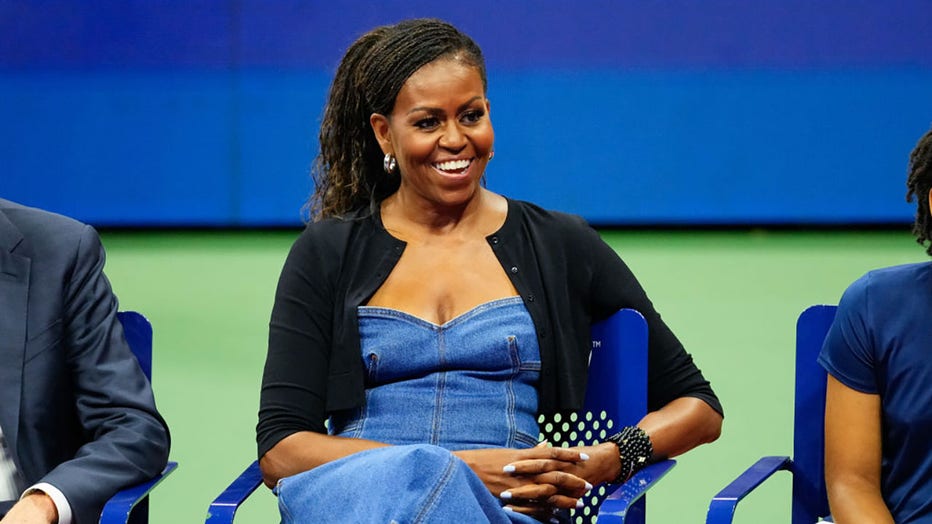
[223, 508]
[723, 505]
[615, 507]
[117, 510]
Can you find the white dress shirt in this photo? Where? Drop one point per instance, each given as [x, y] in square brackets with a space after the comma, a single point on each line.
[11, 482]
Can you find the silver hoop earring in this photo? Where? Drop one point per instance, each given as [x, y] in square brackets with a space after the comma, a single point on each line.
[491, 154]
[389, 163]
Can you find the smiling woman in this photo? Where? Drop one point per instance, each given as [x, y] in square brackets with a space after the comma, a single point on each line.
[439, 132]
[429, 320]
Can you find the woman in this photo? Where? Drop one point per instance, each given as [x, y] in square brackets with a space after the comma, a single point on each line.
[431, 320]
[878, 403]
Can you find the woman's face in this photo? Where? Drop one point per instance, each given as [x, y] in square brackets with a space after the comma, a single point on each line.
[439, 132]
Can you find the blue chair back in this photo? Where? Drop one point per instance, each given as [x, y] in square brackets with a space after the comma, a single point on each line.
[810, 499]
[616, 396]
[138, 332]
[131, 505]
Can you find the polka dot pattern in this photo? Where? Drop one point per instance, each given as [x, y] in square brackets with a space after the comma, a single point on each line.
[569, 429]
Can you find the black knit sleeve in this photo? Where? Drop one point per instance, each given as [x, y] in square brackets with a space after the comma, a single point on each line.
[672, 373]
[294, 383]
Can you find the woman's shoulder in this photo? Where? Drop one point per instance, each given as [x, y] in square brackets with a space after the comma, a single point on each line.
[331, 235]
[548, 219]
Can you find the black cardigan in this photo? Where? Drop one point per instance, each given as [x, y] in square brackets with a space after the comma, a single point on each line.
[566, 274]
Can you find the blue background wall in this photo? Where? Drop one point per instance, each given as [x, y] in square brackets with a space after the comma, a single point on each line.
[196, 112]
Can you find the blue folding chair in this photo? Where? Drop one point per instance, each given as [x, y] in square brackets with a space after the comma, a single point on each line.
[131, 505]
[616, 397]
[810, 500]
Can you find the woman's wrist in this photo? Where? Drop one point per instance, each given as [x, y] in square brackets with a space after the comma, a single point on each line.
[610, 461]
[634, 451]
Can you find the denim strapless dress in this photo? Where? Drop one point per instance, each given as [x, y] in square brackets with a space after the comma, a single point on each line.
[430, 389]
[469, 383]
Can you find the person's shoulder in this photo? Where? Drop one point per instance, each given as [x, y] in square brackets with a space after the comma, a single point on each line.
[30, 218]
[43, 229]
[895, 277]
[332, 233]
[890, 284]
[548, 219]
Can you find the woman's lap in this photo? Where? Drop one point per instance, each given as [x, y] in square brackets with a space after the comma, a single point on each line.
[404, 484]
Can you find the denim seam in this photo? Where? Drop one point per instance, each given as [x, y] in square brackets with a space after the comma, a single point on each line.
[437, 422]
[510, 389]
[434, 495]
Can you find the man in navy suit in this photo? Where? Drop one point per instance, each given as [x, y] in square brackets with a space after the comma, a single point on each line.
[77, 416]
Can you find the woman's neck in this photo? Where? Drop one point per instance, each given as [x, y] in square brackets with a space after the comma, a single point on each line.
[405, 216]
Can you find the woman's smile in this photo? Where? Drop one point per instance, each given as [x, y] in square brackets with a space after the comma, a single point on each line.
[454, 169]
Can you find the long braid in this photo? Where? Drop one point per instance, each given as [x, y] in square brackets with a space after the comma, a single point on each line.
[919, 183]
[338, 172]
[348, 172]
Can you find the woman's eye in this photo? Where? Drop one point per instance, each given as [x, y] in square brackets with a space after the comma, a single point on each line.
[426, 123]
[471, 117]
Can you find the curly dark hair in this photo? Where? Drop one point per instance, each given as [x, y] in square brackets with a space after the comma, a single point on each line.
[348, 172]
[918, 184]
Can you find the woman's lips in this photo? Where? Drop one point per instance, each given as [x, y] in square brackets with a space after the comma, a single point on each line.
[453, 167]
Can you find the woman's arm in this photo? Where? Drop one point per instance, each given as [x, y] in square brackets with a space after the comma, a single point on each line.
[853, 455]
[306, 450]
[680, 426]
[675, 429]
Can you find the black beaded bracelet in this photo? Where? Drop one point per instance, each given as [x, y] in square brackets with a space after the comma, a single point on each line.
[634, 449]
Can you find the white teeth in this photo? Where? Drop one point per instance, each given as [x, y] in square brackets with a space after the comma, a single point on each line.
[453, 165]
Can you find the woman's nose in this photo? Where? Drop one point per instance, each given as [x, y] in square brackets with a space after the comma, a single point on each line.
[453, 137]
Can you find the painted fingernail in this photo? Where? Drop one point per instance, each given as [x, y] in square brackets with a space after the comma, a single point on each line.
[583, 456]
[509, 468]
[554, 520]
[579, 503]
[588, 486]
[505, 495]
[508, 508]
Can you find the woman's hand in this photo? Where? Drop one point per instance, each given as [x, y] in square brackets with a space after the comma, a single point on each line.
[534, 481]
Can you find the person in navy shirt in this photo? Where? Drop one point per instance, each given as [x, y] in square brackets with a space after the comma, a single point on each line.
[878, 406]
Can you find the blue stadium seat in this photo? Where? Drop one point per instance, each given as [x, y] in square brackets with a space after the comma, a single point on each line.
[131, 505]
[810, 501]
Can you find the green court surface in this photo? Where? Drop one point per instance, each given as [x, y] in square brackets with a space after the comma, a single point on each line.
[731, 297]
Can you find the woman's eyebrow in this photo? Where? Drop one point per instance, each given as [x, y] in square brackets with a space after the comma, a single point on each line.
[435, 110]
[468, 103]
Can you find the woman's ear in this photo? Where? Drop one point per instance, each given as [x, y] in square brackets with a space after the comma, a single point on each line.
[382, 129]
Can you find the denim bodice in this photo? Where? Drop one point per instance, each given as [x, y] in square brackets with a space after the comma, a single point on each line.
[469, 383]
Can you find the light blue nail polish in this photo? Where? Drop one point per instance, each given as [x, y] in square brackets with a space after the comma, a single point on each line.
[509, 468]
[579, 503]
[583, 456]
[554, 520]
[588, 486]
[508, 508]
[505, 495]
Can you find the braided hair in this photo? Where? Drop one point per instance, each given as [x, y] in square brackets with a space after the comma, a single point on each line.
[348, 172]
[918, 184]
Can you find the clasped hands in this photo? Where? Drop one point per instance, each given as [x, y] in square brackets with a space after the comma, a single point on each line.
[540, 480]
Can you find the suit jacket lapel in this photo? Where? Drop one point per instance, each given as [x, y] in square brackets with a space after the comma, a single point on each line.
[14, 292]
